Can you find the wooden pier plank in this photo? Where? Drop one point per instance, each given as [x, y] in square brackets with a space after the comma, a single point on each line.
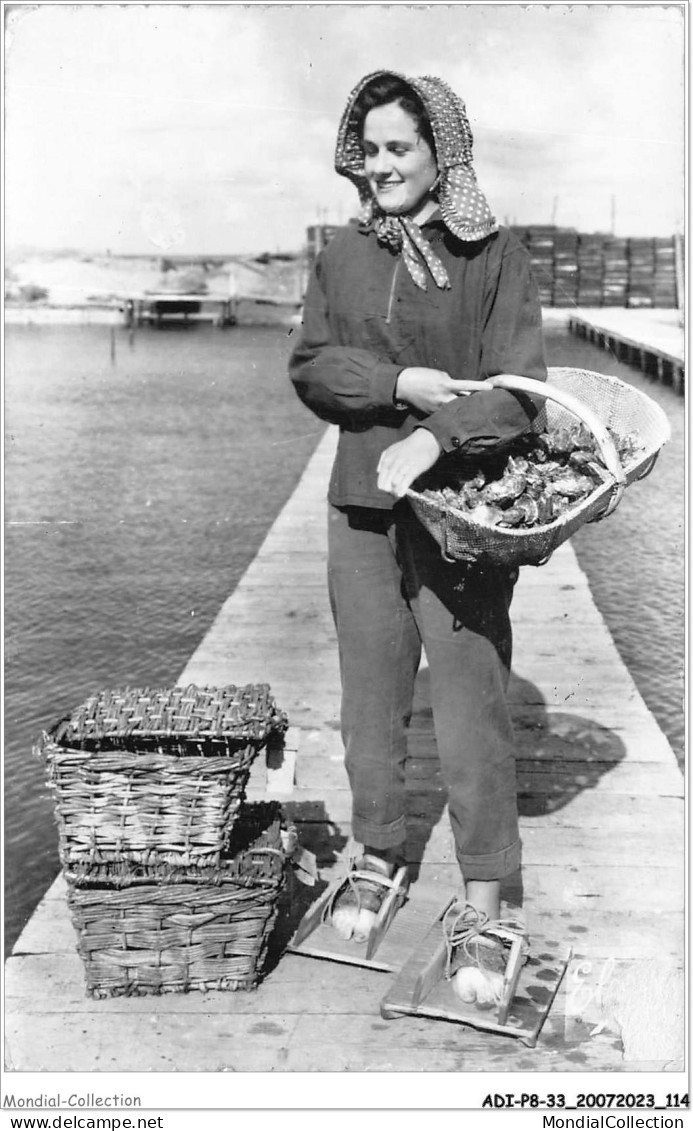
[646, 329]
[275, 1042]
[534, 776]
[640, 336]
[602, 821]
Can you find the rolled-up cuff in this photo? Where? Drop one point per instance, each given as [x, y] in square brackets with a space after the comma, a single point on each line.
[379, 836]
[492, 866]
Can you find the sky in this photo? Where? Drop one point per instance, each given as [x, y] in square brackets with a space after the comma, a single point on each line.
[210, 128]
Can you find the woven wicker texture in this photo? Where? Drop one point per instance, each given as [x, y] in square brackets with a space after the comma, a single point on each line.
[155, 777]
[189, 931]
[170, 720]
[621, 408]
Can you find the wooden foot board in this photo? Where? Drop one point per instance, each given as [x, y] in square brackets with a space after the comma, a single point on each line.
[421, 989]
[398, 930]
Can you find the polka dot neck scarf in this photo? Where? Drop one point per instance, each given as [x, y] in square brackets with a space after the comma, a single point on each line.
[463, 207]
[399, 233]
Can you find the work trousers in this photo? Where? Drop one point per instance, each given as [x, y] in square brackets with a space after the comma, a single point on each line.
[391, 592]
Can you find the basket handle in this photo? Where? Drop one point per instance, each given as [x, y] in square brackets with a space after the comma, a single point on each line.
[514, 383]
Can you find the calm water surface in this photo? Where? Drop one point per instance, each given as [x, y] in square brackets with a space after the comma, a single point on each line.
[138, 492]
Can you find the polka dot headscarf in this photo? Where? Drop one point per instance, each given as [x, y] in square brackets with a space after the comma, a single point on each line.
[463, 206]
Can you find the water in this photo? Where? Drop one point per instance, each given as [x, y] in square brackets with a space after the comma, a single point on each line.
[138, 492]
[136, 495]
[635, 559]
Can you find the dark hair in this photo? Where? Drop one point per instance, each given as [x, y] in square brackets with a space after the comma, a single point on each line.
[383, 90]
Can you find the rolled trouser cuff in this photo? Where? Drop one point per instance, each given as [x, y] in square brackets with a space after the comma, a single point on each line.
[492, 866]
[391, 835]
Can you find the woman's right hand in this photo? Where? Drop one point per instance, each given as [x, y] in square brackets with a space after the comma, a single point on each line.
[428, 389]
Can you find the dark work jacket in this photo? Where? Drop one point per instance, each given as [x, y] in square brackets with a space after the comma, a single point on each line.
[365, 320]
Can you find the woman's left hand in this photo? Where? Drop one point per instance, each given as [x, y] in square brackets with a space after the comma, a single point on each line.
[403, 462]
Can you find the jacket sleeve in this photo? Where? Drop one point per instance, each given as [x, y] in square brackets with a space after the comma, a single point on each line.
[511, 342]
[341, 384]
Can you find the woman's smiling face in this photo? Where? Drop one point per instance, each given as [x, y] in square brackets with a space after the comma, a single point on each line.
[398, 162]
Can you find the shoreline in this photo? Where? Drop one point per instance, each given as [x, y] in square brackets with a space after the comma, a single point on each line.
[251, 312]
[40, 315]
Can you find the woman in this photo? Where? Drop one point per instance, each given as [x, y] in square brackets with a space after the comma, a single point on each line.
[426, 294]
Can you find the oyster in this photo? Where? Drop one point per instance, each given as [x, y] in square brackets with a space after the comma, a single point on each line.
[503, 490]
[523, 512]
[570, 484]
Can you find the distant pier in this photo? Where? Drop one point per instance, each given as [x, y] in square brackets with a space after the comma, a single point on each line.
[223, 310]
[156, 308]
[650, 339]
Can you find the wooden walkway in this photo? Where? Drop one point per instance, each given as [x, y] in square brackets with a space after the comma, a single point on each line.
[602, 815]
[651, 339]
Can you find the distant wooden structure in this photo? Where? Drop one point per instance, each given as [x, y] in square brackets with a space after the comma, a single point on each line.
[158, 308]
[637, 338]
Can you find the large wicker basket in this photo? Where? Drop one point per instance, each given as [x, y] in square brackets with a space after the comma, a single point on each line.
[155, 777]
[600, 402]
[192, 929]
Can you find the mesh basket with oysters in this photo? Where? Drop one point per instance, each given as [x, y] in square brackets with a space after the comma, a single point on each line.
[538, 479]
